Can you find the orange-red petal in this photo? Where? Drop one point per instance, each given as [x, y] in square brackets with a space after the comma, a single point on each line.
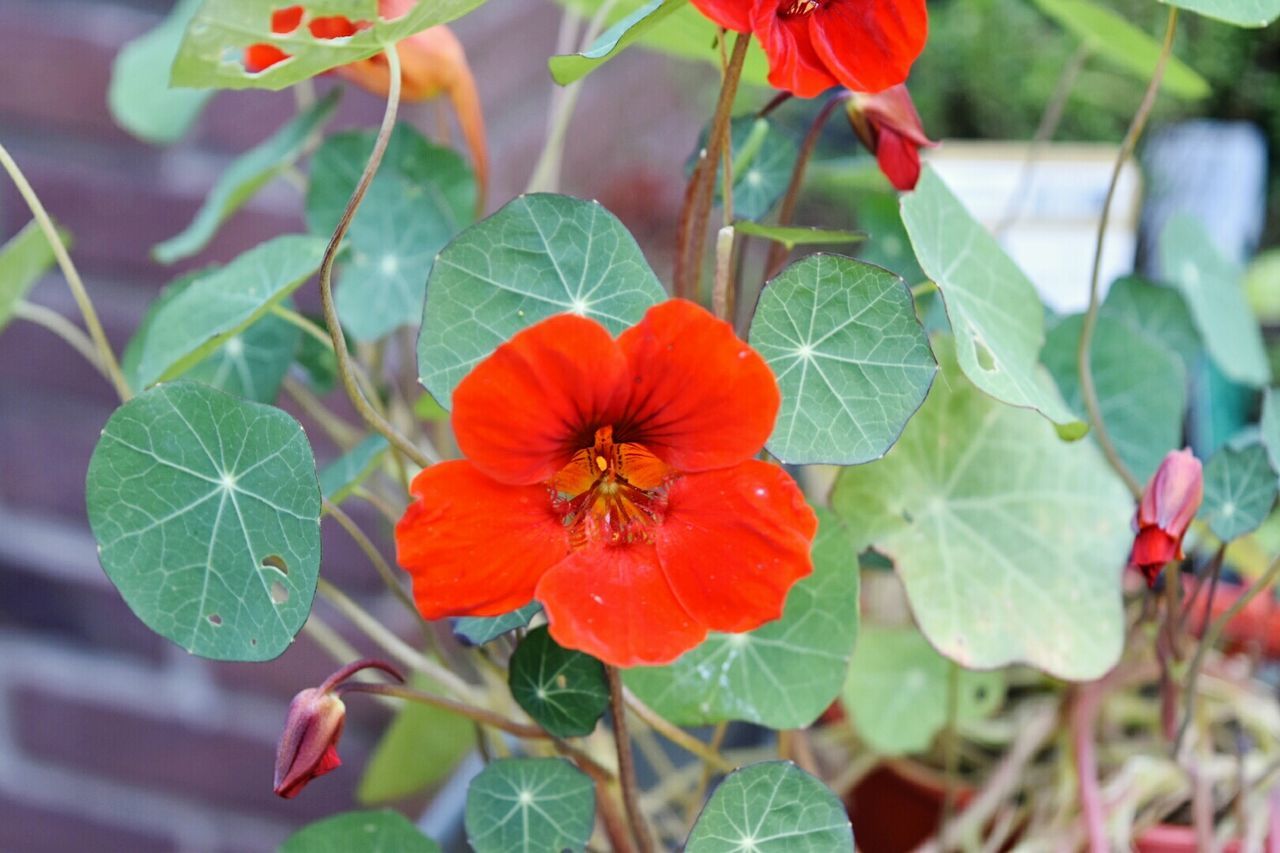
[332, 27]
[476, 547]
[260, 57]
[613, 602]
[794, 64]
[286, 20]
[869, 45]
[701, 398]
[899, 160]
[523, 412]
[731, 14]
[733, 543]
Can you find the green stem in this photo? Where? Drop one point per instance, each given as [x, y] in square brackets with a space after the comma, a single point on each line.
[1083, 364]
[346, 371]
[379, 562]
[691, 231]
[106, 356]
[481, 715]
[626, 765]
[1210, 638]
[392, 644]
[70, 333]
[778, 252]
[677, 735]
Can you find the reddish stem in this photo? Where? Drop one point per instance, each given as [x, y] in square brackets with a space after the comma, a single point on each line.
[1083, 716]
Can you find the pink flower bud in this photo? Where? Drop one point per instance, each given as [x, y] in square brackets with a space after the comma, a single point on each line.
[890, 128]
[1170, 501]
[309, 745]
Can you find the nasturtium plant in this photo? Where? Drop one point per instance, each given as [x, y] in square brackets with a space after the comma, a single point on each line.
[878, 517]
[562, 689]
[23, 260]
[1239, 491]
[529, 804]
[899, 690]
[209, 311]
[1141, 386]
[782, 675]
[423, 195]
[368, 830]
[850, 356]
[206, 509]
[539, 255]
[1214, 290]
[771, 807]
[996, 317]
[478, 630]
[981, 507]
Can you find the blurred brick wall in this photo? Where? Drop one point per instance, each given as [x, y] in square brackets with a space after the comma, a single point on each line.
[112, 739]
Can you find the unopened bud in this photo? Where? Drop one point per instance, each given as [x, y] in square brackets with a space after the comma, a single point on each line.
[1170, 501]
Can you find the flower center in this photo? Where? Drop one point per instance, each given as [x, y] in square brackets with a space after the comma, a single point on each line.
[797, 8]
[612, 492]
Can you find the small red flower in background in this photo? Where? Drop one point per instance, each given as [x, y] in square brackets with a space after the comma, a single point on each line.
[1170, 501]
[432, 63]
[890, 128]
[863, 45]
[612, 480]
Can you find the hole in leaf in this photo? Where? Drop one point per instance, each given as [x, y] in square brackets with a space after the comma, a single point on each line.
[215, 620]
[986, 360]
[279, 594]
[253, 641]
[979, 693]
[286, 20]
[275, 561]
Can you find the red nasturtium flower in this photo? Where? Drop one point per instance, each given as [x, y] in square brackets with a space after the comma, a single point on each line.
[863, 45]
[1170, 501]
[432, 63]
[890, 128]
[613, 481]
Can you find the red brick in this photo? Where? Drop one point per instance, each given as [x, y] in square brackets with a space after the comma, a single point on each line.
[216, 767]
[25, 828]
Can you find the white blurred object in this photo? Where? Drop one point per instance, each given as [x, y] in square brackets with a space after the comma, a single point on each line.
[1045, 213]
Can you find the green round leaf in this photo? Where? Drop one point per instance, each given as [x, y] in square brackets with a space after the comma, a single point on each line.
[421, 197]
[478, 630]
[850, 356]
[1155, 312]
[247, 174]
[1009, 541]
[564, 690]
[23, 259]
[1214, 290]
[341, 477]
[360, 832]
[207, 514]
[1141, 386]
[140, 97]
[525, 805]
[539, 255]
[996, 316]
[898, 690]
[251, 363]
[783, 674]
[771, 807]
[1239, 491]
[764, 155]
[1242, 13]
[220, 303]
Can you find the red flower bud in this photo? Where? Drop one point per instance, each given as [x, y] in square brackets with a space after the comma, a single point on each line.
[890, 128]
[309, 744]
[1170, 501]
